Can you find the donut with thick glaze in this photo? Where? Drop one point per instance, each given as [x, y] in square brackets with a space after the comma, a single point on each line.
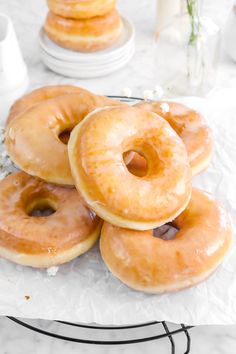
[155, 265]
[96, 152]
[87, 35]
[47, 240]
[33, 137]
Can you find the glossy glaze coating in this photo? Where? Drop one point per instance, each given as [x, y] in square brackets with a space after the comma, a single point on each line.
[191, 127]
[154, 265]
[84, 35]
[80, 9]
[96, 149]
[32, 140]
[48, 240]
[38, 96]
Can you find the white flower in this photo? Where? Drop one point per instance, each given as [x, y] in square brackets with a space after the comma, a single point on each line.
[52, 271]
[165, 107]
[148, 94]
[127, 92]
[159, 92]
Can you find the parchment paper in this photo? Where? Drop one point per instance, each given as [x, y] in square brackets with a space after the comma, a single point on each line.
[85, 291]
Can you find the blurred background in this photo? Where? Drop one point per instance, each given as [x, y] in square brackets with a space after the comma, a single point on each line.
[140, 73]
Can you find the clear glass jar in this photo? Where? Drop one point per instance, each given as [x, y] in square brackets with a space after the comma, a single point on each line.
[186, 54]
[165, 9]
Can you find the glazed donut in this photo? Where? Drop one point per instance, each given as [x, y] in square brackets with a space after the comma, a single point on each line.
[33, 139]
[155, 265]
[81, 9]
[48, 240]
[38, 96]
[190, 126]
[96, 148]
[84, 35]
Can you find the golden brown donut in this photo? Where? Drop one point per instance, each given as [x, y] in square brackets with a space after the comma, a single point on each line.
[84, 35]
[81, 9]
[155, 265]
[32, 140]
[39, 95]
[96, 152]
[190, 126]
[48, 240]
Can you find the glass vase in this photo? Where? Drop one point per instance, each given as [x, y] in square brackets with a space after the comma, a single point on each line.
[186, 54]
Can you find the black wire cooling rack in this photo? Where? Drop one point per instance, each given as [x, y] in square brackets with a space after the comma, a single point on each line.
[161, 328]
[74, 332]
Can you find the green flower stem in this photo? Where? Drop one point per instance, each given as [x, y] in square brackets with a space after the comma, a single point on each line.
[192, 8]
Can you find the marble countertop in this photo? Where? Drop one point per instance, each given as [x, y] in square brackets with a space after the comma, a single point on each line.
[28, 17]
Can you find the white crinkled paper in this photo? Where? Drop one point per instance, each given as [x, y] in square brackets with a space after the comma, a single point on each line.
[85, 291]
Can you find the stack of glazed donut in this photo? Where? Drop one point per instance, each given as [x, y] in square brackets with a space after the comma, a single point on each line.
[119, 171]
[83, 25]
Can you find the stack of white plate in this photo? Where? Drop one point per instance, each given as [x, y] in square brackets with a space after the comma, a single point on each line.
[88, 65]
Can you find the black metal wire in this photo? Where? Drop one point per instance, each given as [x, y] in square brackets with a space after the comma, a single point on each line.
[97, 342]
[183, 329]
[170, 337]
[127, 99]
[188, 339]
[108, 327]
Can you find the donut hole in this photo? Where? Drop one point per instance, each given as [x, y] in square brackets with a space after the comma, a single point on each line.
[145, 160]
[41, 207]
[166, 232]
[64, 136]
[138, 165]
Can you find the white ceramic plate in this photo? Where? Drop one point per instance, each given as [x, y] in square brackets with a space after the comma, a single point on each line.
[87, 63]
[77, 72]
[85, 66]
